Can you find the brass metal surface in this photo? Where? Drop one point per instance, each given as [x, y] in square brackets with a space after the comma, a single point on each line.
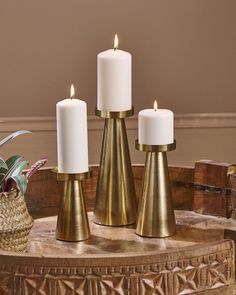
[155, 148]
[72, 220]
[116, 203]
[71, 176]
[114, 115]
[156, 213]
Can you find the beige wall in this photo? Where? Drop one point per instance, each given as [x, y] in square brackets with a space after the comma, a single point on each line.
[183, 52]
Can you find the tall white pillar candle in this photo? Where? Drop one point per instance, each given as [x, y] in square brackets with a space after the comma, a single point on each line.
[114, 80]
[155, 126]
[72, 138]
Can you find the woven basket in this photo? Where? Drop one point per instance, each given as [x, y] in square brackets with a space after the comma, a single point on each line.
[15, 222]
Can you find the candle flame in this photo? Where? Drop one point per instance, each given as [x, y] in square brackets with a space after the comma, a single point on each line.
[116, 42]
[72, 91]
[155, 106]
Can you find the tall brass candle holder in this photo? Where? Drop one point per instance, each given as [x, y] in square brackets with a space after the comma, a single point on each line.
[156, 213]
[72, 220]
[116, 203]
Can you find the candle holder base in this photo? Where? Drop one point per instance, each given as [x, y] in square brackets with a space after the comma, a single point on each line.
[72, 221]
[156, 213]
[116, 203]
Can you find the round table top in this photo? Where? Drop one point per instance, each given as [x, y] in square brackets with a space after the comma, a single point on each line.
[193, 230]
[117, 261]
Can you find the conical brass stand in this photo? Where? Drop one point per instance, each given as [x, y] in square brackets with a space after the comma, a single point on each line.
[116, 203]
[72, 220]
[156, 213]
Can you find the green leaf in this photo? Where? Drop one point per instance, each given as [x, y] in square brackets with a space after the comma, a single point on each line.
[2, 175]
[15, 165]
[18, 168]
[21, 183]
[9, 163]
[12, 160]
[3, 164]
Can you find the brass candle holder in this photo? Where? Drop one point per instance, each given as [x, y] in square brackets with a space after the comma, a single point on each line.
[116, 203]
[72, 220]
[156, 212]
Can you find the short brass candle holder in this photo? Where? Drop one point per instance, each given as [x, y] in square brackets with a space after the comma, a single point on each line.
[116, 203]
[72, 220]
[156, 212]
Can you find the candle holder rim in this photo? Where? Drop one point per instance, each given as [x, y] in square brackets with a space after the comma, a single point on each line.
[72, 176]
[155, 148]
[114, 115]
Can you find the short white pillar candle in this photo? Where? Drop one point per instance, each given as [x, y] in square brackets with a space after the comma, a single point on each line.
[155, 126]
[72, 138]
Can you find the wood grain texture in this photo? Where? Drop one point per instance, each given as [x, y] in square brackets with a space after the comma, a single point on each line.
[182, 180]
[213, 192]
[116, 261]
[232, 181]
[213, 174]
[228, 290]
[212, 203]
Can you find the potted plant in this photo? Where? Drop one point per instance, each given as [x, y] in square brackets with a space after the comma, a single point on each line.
[15, 220]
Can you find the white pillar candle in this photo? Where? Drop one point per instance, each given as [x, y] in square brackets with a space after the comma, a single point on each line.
[72, 138]
[155, 126]
[114, 80]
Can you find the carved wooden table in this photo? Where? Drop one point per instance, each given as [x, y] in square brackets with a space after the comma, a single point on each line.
[116, 261]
